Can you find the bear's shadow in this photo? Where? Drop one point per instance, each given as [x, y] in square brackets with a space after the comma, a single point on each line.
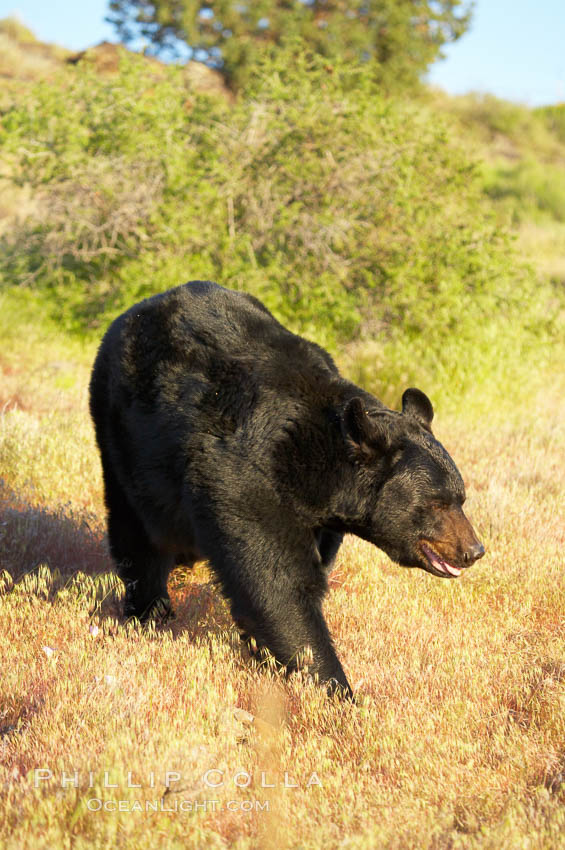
[57, 546]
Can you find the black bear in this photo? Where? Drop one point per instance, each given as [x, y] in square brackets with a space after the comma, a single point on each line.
[225, 437]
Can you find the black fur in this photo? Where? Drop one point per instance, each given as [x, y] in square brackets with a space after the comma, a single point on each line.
[223, 436]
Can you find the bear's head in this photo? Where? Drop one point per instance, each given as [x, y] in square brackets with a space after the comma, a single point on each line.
[411, 491]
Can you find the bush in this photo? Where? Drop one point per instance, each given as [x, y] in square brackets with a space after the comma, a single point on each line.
[554, 119]
[531, 189]
[492, 118]
[351, 216]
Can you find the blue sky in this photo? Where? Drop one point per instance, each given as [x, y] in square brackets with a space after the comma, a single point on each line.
[515, 49]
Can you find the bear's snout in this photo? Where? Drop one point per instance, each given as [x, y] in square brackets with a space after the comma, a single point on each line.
[454, 547]
[473, 553]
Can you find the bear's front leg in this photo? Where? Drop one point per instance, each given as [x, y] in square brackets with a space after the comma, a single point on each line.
[296, 633]
[275, 586]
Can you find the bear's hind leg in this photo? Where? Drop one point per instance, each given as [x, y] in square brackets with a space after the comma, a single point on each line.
[143, 568]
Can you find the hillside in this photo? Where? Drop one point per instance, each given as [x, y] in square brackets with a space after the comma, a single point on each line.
[522, 151]
[351, 242]
[422, 241]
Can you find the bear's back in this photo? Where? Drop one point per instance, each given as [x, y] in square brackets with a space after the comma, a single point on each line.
[211, 357]
[200, 328]
[238, 325]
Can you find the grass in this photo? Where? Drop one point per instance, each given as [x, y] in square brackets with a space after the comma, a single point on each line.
[458, 738]
[22, 56]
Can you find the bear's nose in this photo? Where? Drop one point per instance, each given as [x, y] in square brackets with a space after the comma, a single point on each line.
[473, 553]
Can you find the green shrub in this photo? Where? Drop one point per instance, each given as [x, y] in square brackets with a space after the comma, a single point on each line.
[554, 119]
[490, 118]
[353, 217]
[531, 188]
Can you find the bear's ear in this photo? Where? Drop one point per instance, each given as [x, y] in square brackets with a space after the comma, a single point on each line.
[415, 403]
[363, 436]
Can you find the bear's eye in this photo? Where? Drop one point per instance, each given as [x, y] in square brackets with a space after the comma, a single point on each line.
[440, 506]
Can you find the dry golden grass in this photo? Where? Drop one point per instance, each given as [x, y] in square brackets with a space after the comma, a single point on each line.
[458, 740]
[22, 56]
[24, 62]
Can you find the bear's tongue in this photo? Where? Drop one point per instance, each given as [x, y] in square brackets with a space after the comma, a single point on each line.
[439, 563]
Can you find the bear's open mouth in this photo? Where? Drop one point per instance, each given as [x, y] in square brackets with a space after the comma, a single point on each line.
[438, 563]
